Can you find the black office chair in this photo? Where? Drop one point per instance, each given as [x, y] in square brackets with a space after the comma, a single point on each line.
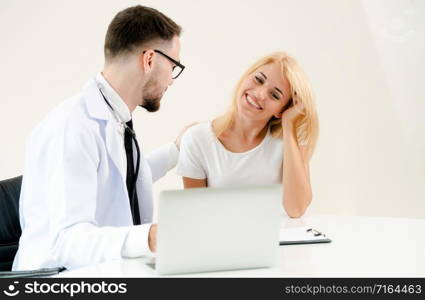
[10, 229]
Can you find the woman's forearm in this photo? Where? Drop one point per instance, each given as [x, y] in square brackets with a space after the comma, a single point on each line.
[297, 193]
[190, 183]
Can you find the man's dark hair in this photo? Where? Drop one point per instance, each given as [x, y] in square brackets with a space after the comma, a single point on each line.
[134, 26]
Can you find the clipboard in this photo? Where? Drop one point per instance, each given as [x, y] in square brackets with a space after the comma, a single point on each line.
[44, 272]
[302, 235]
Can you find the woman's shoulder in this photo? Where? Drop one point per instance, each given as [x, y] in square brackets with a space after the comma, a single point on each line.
[199, 130]
[200, 133]
[201, 127]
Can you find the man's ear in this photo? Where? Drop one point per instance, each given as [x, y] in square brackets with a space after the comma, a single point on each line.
[146, 60]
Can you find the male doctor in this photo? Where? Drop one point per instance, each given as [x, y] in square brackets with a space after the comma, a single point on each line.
[87, 191]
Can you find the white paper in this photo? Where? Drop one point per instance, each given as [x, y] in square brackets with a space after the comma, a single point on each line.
[299, 234]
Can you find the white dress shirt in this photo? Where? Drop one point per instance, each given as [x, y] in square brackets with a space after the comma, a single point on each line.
[136, 243]
[117, 103]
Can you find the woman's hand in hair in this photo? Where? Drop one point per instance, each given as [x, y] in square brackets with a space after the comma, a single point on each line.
[292, 114]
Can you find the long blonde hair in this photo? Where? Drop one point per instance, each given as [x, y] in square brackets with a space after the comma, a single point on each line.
[307, 127]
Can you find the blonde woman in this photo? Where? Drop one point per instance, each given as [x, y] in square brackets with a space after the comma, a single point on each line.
[267, 136]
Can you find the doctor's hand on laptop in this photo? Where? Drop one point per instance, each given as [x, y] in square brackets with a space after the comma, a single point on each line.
[152, 237]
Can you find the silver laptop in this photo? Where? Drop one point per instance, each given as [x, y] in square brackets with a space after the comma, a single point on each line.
[215, 229]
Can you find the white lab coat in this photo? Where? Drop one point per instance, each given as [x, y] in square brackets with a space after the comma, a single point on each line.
[74, 206]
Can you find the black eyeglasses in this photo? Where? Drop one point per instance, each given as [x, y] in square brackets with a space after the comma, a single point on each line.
[177, 68]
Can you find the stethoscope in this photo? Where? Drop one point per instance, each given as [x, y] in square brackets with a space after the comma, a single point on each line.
[136, 172]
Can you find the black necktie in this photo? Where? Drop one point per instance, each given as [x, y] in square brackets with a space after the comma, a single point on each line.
[130, 180]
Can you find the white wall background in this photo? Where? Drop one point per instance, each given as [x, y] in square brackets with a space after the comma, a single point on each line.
[366, 61]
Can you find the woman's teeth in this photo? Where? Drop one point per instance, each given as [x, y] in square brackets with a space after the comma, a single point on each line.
[250, 101]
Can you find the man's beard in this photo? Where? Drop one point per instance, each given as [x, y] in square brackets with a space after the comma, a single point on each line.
[151, 100]
[151, 105]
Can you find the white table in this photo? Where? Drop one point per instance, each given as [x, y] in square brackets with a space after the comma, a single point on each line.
[361, 247]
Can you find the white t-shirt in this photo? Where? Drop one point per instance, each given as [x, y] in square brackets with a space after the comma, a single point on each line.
[202, 156]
